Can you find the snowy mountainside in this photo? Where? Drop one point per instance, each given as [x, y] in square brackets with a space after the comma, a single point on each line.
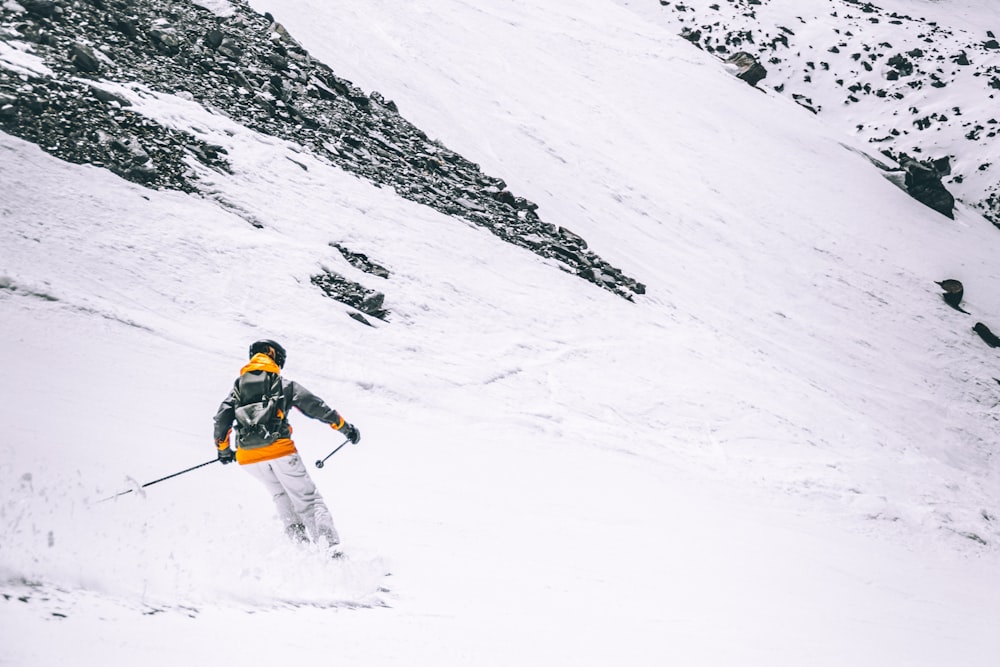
[782, 453]
[57, 59]
[907, 77]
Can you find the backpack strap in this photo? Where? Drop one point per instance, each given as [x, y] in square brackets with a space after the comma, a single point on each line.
[278, 394]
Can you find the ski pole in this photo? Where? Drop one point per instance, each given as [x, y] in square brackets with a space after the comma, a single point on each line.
[319, 464]
[163, 479]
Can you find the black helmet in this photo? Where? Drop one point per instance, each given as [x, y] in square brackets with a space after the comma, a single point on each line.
[271, 349]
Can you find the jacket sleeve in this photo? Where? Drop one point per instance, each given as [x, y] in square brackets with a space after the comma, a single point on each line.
[312, 405]
[224, 417]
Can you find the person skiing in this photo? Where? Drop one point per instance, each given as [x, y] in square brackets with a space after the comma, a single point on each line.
[259, 404]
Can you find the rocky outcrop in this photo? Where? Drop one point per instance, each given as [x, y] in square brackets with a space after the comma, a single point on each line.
[952, 293]
[246, 66]
[902, 82]
[923, 182]
[746, 67]
[365, 301]
[988, 336]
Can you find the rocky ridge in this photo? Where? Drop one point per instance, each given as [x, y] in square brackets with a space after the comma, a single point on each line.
[246, 66]
[913, 88]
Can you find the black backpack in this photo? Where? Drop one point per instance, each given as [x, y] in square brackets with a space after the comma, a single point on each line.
[260, 409]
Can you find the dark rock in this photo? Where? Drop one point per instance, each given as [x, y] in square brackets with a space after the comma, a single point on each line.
[360, 318]
[900, 67]
[166, 41]
[941, 166]
[693, 36]
[953, 292]
[747, 67]
[373, 304]
[276, 61]
[361, 261]
[572, 239]
[318, 88]
[923, 182]
[351, 293]
[109, 97]
[213, 38]
[805, 102]
[42, 8]
[230, 48]
[127, 27]
[505, 197]
[84, 59]
[988, 336]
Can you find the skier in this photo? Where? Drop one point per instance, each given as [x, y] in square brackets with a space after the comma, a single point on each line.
[259, 404]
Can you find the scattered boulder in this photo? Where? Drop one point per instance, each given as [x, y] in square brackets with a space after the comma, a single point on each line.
[230, 48]
[347, 291]
[109, 98]
[746, 67]
[693, 36]
[362, 262]
[923, 182]
[213, 38]
[84, 59]
[988, 336]
[953, 292]
[900, 67]
[41, 8]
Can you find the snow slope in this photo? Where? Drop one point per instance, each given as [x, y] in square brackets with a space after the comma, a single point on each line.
[783, 454]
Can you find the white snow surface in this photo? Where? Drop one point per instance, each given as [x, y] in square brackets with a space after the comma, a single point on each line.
[783, 454]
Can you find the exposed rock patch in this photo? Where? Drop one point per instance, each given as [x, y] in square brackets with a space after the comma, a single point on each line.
[346, 291]
[247, 66]
[890, 78]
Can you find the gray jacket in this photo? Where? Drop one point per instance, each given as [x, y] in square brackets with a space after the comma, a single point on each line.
[295, 395]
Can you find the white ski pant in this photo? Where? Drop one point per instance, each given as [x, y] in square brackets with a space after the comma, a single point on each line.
[296, 497]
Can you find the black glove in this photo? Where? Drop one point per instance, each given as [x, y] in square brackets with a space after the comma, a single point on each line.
[226, 456]
[351, 432]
